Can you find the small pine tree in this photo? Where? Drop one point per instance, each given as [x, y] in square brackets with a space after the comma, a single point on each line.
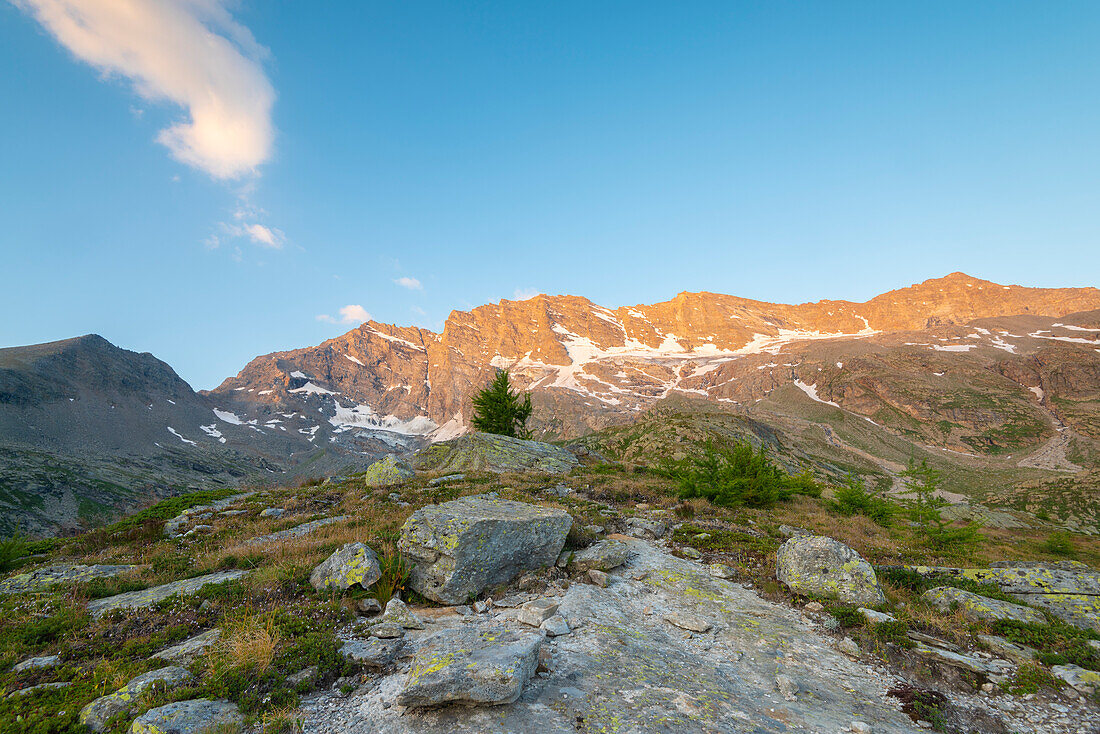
[924, 509]
[499, 410]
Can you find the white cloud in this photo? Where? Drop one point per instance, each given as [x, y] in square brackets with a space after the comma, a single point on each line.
[187, 52]
[418, 311]
[264, 236]
[354, 314]
[525, 294]
[325, 318]
[411, 283]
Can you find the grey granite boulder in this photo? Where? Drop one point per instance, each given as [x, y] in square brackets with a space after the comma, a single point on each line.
[472, 666]
[490, 452]
[188, 717]
[354, 563]
[462, 547]
[815, 565]
[603, 556]
[387, 472]
[980, 608]
[96, 713]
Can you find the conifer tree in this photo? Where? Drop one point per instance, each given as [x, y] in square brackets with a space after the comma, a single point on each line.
[499, 410]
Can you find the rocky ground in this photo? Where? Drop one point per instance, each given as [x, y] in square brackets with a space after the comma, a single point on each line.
[587, 601]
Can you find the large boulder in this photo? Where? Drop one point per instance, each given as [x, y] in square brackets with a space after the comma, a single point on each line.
[472, 666]
[980, 608]
[818, 566]
[387, 472]
[354, 563]
[490, 452]
[96, 714]
[462, 547]
[196, 716]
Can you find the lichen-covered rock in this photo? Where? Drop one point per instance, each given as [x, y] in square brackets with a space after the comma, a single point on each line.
[354, 563]
[1070, 592]
[815, 565]
[471, 666]
[60, 573]
[375, 653]
[603, 556]
[398, 612]
[188, 717]
[156, 594]
[464, 546]
[1080, 679]
[96, 713]
[190, 648]
[489, 452]
[45, 661]
[387, 472]
[980, 608]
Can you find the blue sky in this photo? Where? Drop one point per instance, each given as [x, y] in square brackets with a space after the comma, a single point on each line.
[624, 151]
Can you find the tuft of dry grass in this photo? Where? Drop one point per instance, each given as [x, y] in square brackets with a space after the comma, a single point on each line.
[247, 642]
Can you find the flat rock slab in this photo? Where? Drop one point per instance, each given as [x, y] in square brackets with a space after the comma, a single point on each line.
[197, 716]
[43, 578]
[190, 648]
[1068, 592]
[980, 608]
[489, 452]
[149, 597]
[473, 666]
[623, 668]
[295, 532]
[465, 546]
[995, 669]
[174, 527]
[46, 661]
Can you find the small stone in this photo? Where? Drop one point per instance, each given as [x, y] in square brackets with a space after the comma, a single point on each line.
[595, 529]
[387, 630]
[687, 621]
[815, 606]
[597, 578]
[641, 527]
[483, 606]
[702, 536]
[787, 686]
[536, 612]
[689, 552]
[721, 571]
[190, 648]
[603, 556]
[306, 675]
[987, 687]
[272, 512]
[859, 727]
[849, 647]
[398, 613]
[374, 654]
[555, 626]
[463, 610]
[876, 617]
[369, 606]
[788, 531]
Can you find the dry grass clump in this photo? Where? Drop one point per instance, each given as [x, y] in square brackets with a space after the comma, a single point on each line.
[248, 641]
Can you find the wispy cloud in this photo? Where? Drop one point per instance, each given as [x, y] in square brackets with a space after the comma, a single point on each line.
[191, 53]
[353, 313]
[525, 294]
[411, 283]
[264, 236]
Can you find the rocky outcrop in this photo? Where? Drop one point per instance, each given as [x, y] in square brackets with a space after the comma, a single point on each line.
[489, 452]
[387, 472]
[980, 608]
[1070, 593]
[96, 714]
[153, 595]
[60, 573]
[354, 563]
[818, 566]
[462, 547]
[198, 716]
[471, 666]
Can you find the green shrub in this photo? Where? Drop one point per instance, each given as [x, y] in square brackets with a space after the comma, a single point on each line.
[1030, 677]
[11, 550]
[893, 631]
[499, 410]
[734, 474]
[1059, 543]
[848, 616]
[853, 499]
[924, 510]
